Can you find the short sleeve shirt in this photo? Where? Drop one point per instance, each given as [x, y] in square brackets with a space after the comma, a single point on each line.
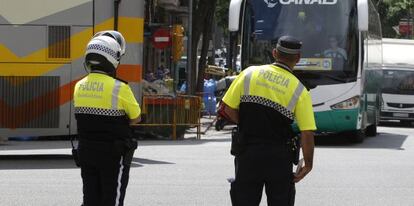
[104, 107]
[273, 87]
[106, 94]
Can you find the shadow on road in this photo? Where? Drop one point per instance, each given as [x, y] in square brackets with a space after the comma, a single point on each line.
[55, 161]
[185, 142]
[35, 145]
[381, 141]
[43, 161]
[59, 144]
[149, 162]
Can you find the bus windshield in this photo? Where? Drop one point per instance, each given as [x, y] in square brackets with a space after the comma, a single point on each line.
[398, 82]
[328, 30]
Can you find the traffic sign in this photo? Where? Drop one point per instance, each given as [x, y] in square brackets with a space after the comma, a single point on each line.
[406, 27]
[161, 38]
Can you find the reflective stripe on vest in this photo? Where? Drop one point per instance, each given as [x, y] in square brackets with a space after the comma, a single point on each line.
[99, 111]
[286, 111]
[115, 94]
[298, 91]
[247, 80]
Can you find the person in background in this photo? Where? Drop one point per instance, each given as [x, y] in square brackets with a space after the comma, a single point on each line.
[336, 53]
[150, 77]
[160, 72]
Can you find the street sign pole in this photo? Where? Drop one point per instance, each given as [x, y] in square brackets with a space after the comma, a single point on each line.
[189, 46]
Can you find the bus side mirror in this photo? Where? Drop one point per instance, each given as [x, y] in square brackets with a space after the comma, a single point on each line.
[363, 15]
[234, 15]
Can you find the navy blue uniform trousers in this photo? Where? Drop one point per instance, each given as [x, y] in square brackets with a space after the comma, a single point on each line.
[263, 165]
[104, 176]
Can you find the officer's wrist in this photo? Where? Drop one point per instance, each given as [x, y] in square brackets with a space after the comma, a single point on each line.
[308, 165]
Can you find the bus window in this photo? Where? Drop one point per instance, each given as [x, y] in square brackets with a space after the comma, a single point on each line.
[327, 33]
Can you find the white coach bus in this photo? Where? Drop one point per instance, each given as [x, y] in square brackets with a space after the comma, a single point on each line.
[42, 46]
[341, 55]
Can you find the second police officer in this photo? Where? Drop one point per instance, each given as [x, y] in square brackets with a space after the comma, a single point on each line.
[104, 109]
[264, 101]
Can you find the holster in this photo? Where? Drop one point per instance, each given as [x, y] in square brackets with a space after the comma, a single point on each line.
[126, 148]
[294, 143]
[238, 144]
[292, 194]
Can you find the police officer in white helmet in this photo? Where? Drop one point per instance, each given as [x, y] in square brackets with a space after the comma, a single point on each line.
[104, 109]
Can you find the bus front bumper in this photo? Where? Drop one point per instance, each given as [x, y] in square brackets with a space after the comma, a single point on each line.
[335, 121]
[397, 115]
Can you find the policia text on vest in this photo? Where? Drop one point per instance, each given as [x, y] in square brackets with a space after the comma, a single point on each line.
[264, 101]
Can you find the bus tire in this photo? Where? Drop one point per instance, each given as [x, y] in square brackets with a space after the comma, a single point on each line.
[357, 136]
[371, 130]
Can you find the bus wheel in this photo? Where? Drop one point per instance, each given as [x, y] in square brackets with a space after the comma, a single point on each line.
[357, 136]
[371, 130]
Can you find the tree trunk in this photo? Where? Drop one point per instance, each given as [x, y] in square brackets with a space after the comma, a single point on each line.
[207, 36]
[194, 48]
[202, 20]
[198, 15]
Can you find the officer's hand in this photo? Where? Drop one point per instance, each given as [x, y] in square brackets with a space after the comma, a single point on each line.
[135, 121]
[302, 173]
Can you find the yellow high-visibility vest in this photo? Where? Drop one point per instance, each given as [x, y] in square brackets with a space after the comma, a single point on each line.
[100, 94]
[275, 87]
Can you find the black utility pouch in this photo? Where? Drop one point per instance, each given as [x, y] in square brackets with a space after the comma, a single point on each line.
[75, 151]
[132, 145]
[295, 147]
[237, 142]
[75, 155]
[126, 148]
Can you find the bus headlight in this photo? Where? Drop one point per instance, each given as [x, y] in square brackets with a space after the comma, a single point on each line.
[351, 103]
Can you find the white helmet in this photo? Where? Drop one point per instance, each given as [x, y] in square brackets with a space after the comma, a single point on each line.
[103, 53]
[117, 36]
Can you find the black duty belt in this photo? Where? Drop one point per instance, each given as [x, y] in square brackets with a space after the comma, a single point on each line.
[102, 145]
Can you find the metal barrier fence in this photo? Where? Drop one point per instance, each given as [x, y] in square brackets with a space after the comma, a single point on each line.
[168, 111]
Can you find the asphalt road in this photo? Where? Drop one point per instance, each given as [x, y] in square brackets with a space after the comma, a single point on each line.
[190, 172]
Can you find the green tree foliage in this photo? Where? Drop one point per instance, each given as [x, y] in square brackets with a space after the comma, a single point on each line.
[222, 13]
[399, 6]
[391, 12]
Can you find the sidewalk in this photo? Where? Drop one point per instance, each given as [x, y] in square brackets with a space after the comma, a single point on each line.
[208, 131]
